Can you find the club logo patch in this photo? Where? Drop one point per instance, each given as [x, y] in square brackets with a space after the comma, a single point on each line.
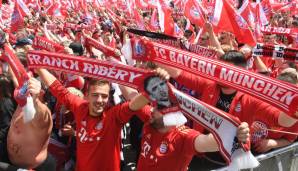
[163, 148]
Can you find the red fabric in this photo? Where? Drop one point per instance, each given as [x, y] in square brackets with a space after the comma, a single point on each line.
[45, 44]
[256, 85]
[17, 20]
[154, 24]
[243, 106]
[246, 12]
[122, 74]
[194, 13]
[260, 125]
[159, 152]
[96, 137]
[228, 20]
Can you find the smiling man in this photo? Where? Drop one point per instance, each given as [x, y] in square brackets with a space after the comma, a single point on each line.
[98, 127]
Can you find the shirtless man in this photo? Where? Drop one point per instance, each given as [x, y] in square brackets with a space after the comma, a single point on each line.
[27, 142]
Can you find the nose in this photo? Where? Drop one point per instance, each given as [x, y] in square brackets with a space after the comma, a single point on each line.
[99, 99]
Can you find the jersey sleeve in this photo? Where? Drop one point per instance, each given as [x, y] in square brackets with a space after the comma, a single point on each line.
[189, 141]
[64, 97]
[291, 137]
[191, 81]
[267, 112]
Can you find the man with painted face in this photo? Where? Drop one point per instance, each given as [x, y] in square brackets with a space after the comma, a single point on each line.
[157, 90]
[97, 126]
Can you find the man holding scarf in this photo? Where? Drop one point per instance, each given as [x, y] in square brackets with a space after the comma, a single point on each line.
[98, 128]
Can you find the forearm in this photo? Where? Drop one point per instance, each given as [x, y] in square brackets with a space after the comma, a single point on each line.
[138, 102]
[128, 93]
[173, 72]
[285, 120]
[46, 77]
[261, 67]
[206, 143]
[280, 143]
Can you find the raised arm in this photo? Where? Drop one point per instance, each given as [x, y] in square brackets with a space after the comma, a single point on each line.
[207, 143]
[42, 118]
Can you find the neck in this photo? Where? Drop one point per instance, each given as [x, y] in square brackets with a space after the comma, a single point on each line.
[228, 91]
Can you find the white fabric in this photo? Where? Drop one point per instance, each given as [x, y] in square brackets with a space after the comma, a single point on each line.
[174, 119]
[29, 110]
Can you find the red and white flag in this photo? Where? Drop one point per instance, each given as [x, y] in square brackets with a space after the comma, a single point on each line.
[246, 12]
[17, 19]
[193, 11]
[166, 21]
[23, 8]
[227, 19]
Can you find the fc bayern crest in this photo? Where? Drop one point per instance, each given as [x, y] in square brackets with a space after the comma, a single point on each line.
[163, 148]
[241, 22]
[238, 107]
[139, 49]
[194, 12]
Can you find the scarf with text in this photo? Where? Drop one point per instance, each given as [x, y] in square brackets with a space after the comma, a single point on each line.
[223, 127]
[278, 30]
[173, 41]
[107, 50]
[45, 44]
[277, 93]
[212, 119]
[276, 52]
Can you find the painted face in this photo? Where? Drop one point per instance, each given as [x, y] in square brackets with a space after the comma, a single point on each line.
[98, 97]
[158, 89]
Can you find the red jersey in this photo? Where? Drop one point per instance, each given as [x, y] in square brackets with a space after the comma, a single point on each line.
[260, 131]
[242, 106]
[98, 138]
[171, 151]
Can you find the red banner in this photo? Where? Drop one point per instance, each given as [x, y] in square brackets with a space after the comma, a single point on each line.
[277, 93]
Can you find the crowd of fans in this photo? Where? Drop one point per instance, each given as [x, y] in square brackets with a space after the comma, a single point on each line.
[87, 124]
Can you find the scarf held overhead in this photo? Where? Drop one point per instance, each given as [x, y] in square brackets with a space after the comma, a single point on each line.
[278, 94]
[212, 119]
[88, 67]
[276, 52]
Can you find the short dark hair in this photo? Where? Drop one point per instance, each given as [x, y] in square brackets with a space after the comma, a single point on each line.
[235, 57]
[77, 48]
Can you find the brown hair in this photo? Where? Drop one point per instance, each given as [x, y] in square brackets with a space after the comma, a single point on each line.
[96, 82]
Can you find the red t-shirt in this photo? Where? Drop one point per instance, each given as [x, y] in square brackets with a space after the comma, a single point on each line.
[171, 151]
[98, 138]
[243, 106]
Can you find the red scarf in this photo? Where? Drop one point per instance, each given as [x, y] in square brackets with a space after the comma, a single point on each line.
[122, 74]
[46, 44]
[278, 30]
[135, 77]
[277, 93]
[107, 50]
[276, 52]
[20, 73]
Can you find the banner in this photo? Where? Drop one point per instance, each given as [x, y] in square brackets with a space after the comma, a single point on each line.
[88, 67]
[45, 44]
[276, 52]
[277, 93]
[223, 128]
